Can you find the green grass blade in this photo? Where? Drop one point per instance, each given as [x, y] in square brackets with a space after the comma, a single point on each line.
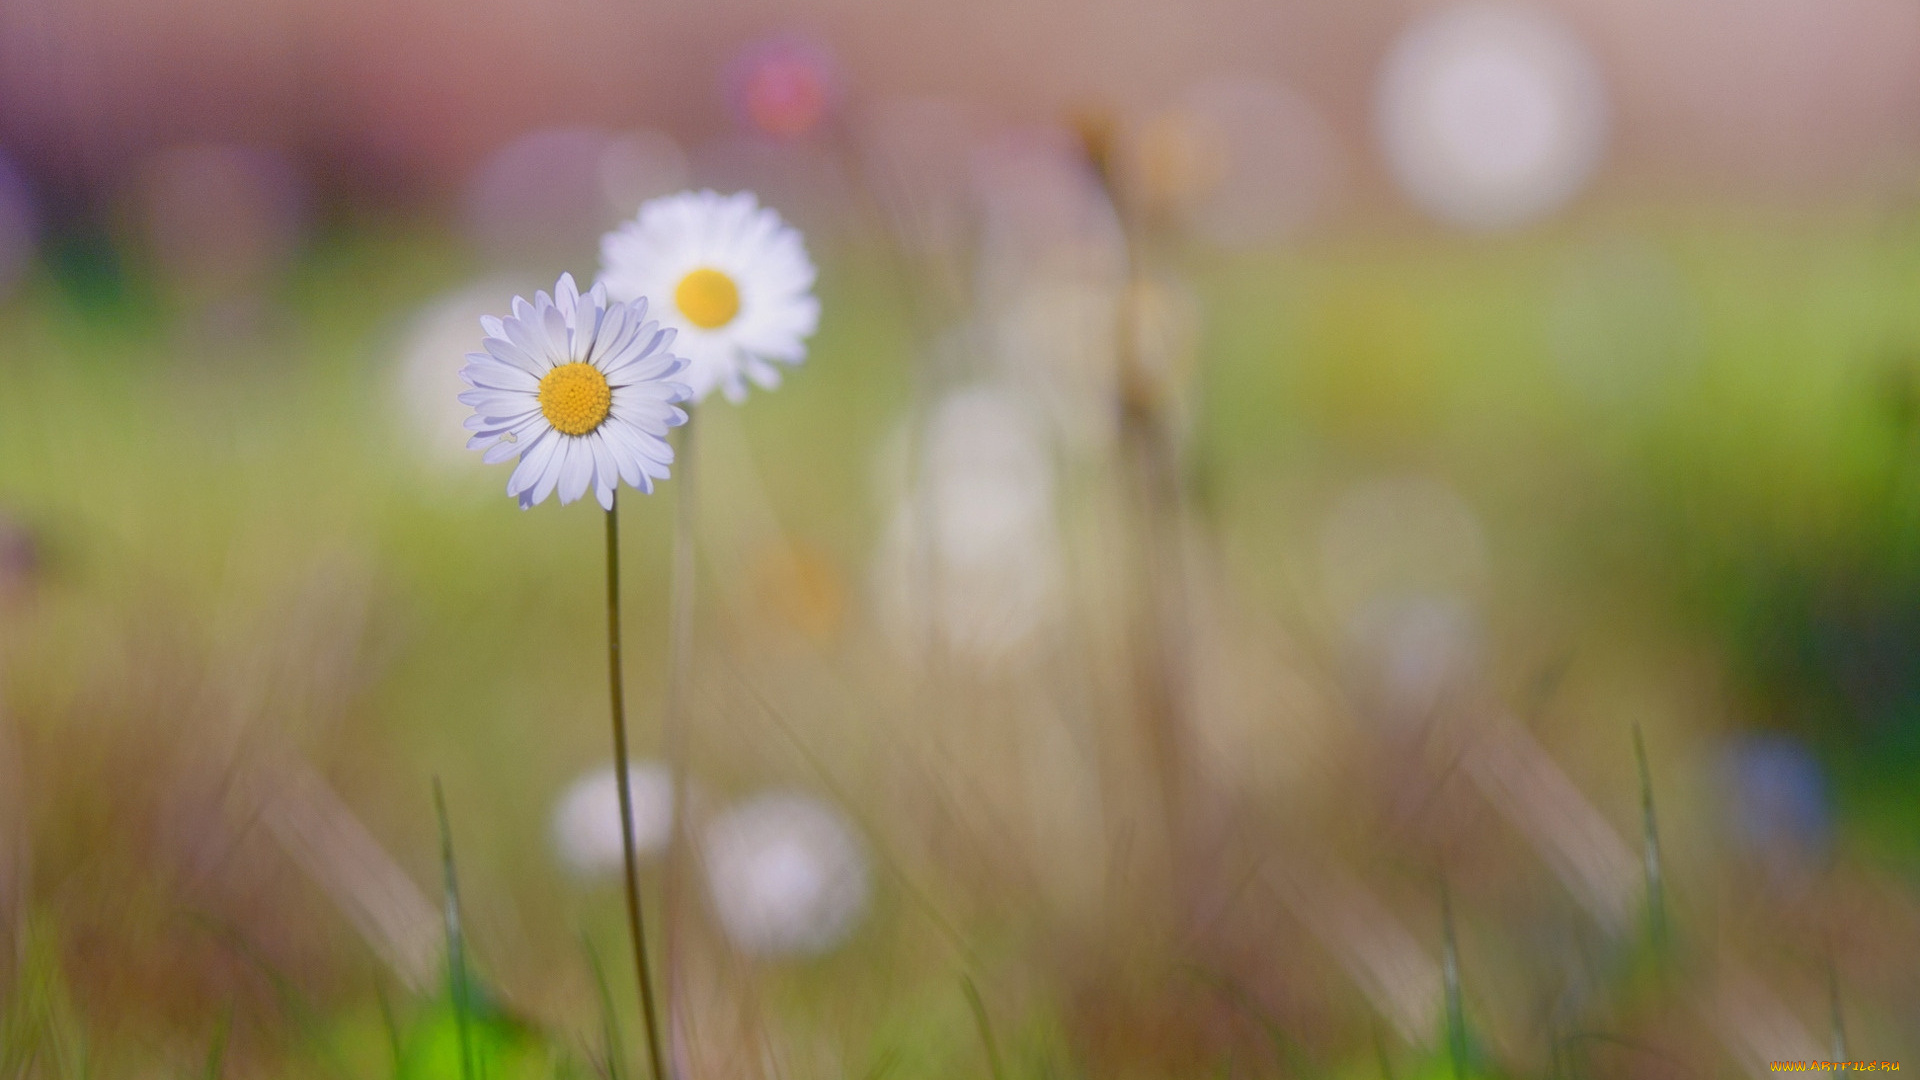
[609, 1024]
[456, 946]
[40, 1028]
[979, 1008]
[217, 1053]
[883, 1064]
[1650, 833]
[1380, 1051]
[301, 1014]
[1450, 972]
[1286, 1049]
[391, 1025]
[1837, 1022]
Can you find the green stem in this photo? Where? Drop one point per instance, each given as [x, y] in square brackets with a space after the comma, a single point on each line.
[678, 729]
[616, 1053]
[635, 924]
[1380, 1051]
[456, 938]
[1656, 891]
[979, 1009]
[1837, 1021]
[217, 1054]
[1450, 974]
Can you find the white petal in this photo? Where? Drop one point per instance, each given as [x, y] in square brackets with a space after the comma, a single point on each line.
[484, 370]
[496, 403]
[505, 351]
[576, 471]
[555, 325]
[550, 478]
[536, 461]
[606, 471]
[762, 373]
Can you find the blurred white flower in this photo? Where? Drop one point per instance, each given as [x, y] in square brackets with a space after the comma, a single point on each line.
[1055, 341]
[729, 275]
[971, 559]
[1417, 651]
[1491, 114]
[586, 820]
[426, 380]
[1403, 564]
[581, 389]
[787, 874]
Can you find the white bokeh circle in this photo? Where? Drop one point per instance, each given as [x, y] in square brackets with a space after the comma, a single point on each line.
[1491, 114]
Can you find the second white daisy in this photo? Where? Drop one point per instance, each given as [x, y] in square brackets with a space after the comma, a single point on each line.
[729, 274]
[582, 389]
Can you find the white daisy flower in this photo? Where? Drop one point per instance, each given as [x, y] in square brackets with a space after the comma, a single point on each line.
[732, 277]
[582, 389]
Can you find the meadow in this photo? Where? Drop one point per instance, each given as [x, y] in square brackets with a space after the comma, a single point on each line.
[1191, 818]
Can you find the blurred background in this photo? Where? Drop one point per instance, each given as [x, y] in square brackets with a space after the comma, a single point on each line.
[1313, 539]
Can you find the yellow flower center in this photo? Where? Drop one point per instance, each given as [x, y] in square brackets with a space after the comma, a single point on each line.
[708, 298]
[575, 398]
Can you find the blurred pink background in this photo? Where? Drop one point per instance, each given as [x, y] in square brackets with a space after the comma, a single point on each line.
[399, 100]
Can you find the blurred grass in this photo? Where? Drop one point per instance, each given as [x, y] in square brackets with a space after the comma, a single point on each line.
[1761, 499]
[202, 499]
